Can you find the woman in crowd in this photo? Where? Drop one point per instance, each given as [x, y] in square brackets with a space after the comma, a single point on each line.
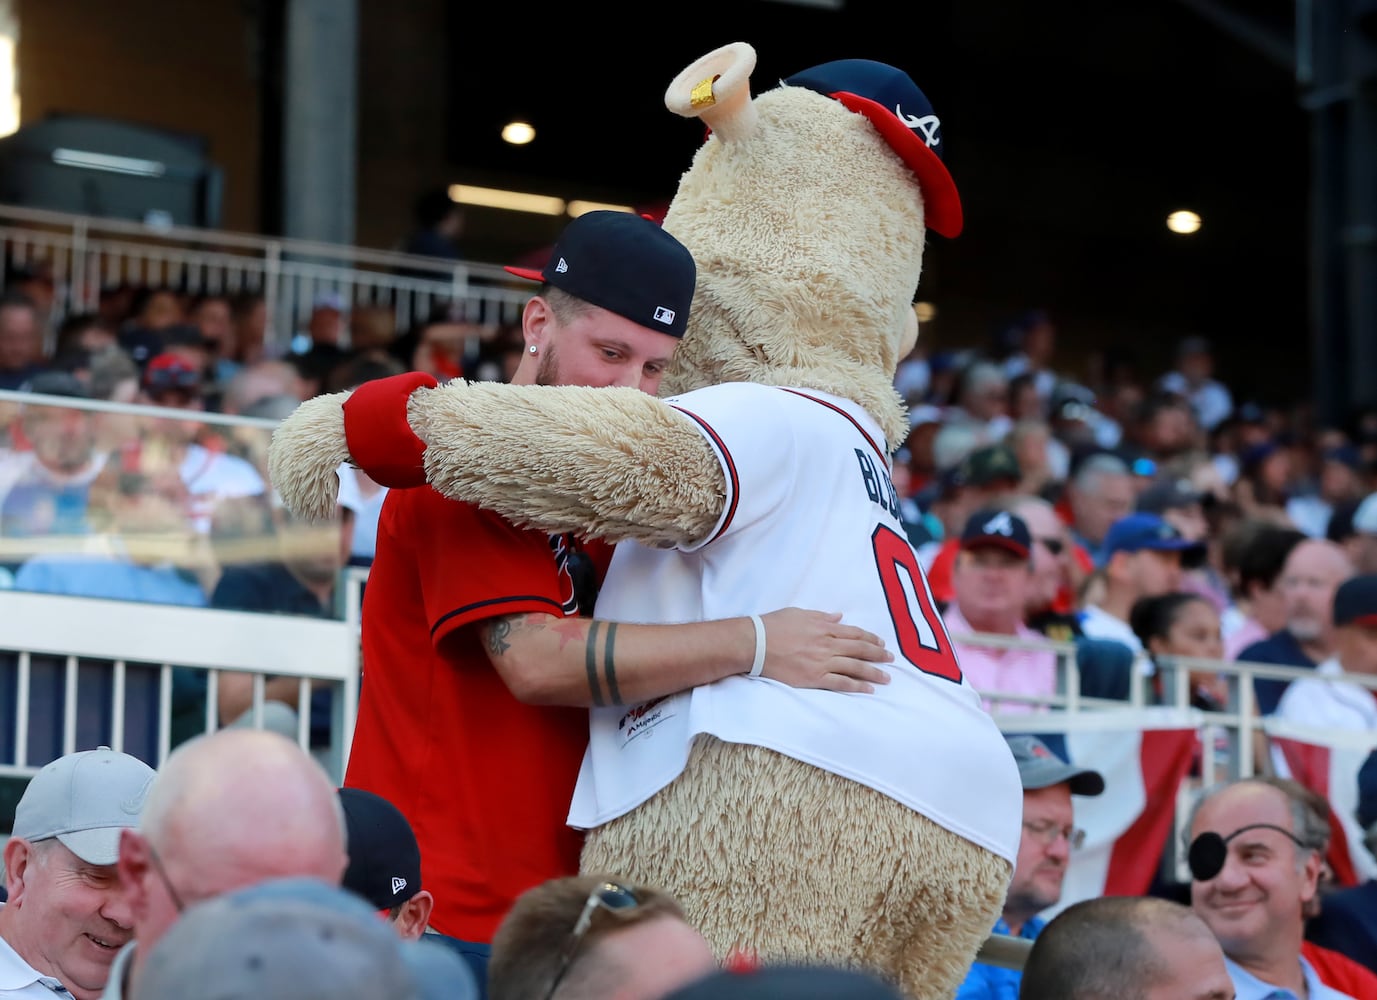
[1187, 625]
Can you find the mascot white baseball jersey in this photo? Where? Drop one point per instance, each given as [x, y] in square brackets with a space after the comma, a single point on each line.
[810, 520]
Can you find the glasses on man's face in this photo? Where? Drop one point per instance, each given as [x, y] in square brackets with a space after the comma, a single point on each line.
[609, 896]
[167, 882]
[1047, 833]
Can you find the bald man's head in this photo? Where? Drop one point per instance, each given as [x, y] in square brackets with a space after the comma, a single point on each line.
[227, 810]
[245, 791]
[1126, 948]
[1309, 577]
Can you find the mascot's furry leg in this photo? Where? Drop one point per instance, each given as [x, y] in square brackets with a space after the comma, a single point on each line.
[781, 860]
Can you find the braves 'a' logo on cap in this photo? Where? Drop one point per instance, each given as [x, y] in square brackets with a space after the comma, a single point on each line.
[926, 126]
[665, 315]
[998, 525]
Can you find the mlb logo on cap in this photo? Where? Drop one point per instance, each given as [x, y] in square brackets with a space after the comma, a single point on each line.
[903, 116]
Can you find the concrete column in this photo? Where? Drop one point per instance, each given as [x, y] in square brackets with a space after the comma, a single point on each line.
[320, 120]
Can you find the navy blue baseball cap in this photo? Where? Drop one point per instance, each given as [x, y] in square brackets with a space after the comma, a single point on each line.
[384, 857]
[997, 529]
[626, 264]
[903, 116]
[1355, 601]
[1140, 531]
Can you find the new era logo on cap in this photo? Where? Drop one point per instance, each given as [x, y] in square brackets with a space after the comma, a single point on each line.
[626, 264]
[905, 119]
[384, 857]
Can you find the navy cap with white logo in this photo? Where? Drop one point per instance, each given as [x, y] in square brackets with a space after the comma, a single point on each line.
[997, 529]
[384, 857]
[625, 264]
[903, 116]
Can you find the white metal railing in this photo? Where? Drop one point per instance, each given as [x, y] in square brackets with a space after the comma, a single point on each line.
[1244, 730]
[121, 634]
[84, 255]
[313, 650]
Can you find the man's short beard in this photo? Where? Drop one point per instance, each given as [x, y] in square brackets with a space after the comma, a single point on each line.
[1305, 629]
[547, 372]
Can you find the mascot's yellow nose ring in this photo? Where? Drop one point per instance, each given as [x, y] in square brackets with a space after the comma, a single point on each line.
[702, 96]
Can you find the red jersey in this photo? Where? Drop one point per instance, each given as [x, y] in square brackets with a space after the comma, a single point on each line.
[485, 780]
[1337, 971]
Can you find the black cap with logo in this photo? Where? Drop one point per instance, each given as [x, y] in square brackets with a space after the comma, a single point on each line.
[625, 264]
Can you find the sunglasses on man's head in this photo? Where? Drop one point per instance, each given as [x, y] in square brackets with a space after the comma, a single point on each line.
[608, 896]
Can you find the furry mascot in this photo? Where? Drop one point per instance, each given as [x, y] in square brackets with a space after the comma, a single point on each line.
[871, 830]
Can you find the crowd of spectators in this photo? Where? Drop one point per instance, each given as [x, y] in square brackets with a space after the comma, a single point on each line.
[1139, 518]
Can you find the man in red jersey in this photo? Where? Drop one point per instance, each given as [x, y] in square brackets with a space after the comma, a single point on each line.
[477, 665]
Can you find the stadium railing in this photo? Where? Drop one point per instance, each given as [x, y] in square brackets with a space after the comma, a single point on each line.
[84, 255]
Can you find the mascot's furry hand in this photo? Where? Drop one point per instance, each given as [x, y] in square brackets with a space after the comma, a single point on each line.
[366, 427]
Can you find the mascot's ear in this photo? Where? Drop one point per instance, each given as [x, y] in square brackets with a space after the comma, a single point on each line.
[910, 337]
[717, 88]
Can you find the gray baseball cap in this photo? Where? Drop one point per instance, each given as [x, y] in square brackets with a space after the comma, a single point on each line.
[1039, 767]
[297, 939]
[85, 799]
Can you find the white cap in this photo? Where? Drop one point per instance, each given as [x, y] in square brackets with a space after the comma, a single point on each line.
[84, 800]
[1365, 517]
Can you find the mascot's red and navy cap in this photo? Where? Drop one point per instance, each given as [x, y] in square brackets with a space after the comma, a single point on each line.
[625, 264]
[903, 116]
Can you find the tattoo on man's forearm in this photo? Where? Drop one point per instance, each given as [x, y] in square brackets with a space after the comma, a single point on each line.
[498, 632]
[590, 663]
[609, 668]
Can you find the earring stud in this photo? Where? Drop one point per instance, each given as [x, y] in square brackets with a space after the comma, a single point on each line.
[532, 348]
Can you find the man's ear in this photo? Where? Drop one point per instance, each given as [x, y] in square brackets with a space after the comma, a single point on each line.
[1310, 876]
[535, 317]
[415, 915]
[18, 855]
[132, 867]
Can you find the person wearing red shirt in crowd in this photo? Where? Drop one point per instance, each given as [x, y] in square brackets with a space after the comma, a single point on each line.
[477, 667]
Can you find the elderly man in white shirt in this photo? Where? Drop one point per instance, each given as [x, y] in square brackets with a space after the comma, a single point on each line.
[1327, 701]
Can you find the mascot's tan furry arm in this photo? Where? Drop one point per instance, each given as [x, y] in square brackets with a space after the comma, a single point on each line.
[609, 463]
